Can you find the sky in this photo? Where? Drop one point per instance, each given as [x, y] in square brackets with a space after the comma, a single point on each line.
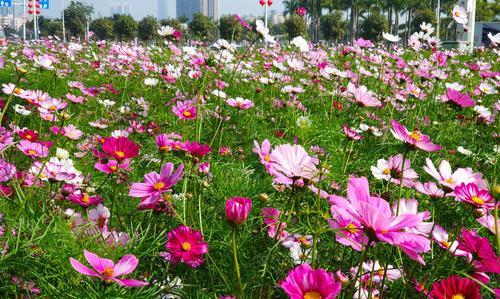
[141, 8]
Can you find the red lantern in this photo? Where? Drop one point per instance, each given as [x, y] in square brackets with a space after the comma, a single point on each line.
[263, 2]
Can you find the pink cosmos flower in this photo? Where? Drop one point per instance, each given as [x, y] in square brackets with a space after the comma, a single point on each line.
[450, 179]
[264, 152]
[84, 199]
[185, 109]
[33, 149]
[120, 148]
[378, 222]
[7, 171]
[292, 162]
[455, 287]
[363, 43]
[391, 273]
[442, 238]
[108, 271]
[459, 14]
[186, 246]
[240, 103]
[414, 139]
[488, 221]
[429, 188]
[112, 166]
[305, 282]
[391, 170]
[484, 257]
[363, 97]
[99, 216]
[471, 194]
[461, 100]
[272, 220]
[155, 184]
[196, 149]
[237, 209]
[351, 134]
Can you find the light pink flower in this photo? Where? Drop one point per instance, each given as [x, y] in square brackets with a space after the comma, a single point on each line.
[240, 103]
[414, 139]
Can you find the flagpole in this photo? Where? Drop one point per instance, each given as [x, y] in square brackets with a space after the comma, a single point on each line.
[63, 25]
[24, 20]
[266, 9]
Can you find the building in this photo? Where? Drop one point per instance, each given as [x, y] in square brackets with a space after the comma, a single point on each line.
[188, 8]
[120, 9]
[162, 9]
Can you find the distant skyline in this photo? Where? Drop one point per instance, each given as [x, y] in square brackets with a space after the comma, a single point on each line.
[142, 8]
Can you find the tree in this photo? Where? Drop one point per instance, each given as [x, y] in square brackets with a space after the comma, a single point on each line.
[202, 27]
[124, 27]
[76, 16]
[147, 28]
[487, 11]
[333, 27]
[102, 28]
[230, 29]
[373, 26]
[295, 25]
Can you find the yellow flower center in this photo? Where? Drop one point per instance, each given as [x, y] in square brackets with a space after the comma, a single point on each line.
[28, 137]
[458, 296]
[186, 113]
[85, 198]
[380, 272]
[31, 152]
[113, 168]
[387, 171]
[267, 158]
[239, 104]
[446, 244]
[108, 272]
[52, 108]
[312, 295]
[415, 135]
[165, 148]
[450, 181]
[477, 200]
[351, 228]
[186, 246]
[17, 90]
[159, 186]
[120, 154]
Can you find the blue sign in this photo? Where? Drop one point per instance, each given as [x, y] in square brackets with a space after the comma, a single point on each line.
[6, 3]
[44, 4]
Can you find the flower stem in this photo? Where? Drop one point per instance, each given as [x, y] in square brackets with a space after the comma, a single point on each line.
[236, 265]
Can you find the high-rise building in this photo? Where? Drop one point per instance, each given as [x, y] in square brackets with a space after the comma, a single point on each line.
[120, 9]
[162, 9]
[188, 8]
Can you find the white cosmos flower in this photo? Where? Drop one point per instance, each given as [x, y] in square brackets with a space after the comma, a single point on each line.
[62, 154]
[264, 32]
[150, 81]
[300, 43]
[427, 27]
[21, 110]
[495, 39]
[107, 103]
[455, 85]
[44, 61]
[390, 37]
[219, 93]
[464, 151]
[459, 14]
[166, 31]
[487, 88]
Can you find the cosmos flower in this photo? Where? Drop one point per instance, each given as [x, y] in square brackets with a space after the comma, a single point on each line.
[292, 162]
[196, 149]
[84, 199]
[479, 198]
[461, 100]
[303, 282]
[33, 149]
[363, 97]
[7, 171]
[185, 110]
[483, 255]
[240, 103]
[185, 245]
[391, 170]
[156, 184]
[120, 148]
[414, 139]
[108, 271]
[488, 221]
[351, 134]
[390, 37]
[442, 238]
[237, 209]
[455, 287]
[459, 14]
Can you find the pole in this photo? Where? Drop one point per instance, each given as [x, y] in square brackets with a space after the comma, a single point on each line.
[438, 26]
[266, 9]
[24, 20]
[63, 25]
[471, 9]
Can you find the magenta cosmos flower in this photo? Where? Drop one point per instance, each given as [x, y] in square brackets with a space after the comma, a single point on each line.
[455, 287]
[414, 139]
[363, 97]
[461, 100]
[106, 270]
[240, 103]
[120, 148]
[33, 149]
[155, 184]
[185, 245]
[471, 194]
[237, 209]
[185, 109]
[305, 283]
[196, 149]
[350, 134]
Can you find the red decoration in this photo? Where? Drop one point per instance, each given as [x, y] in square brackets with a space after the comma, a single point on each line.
[263, 2]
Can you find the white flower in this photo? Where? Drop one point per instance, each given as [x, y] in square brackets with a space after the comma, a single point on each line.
[455, 85]
[301, 43]
[459, 14]
[119, 133]
[21, 110]
[487, 88]
[166, 31]
[219, 93]
[62, 154]
[300, 255]
[382, 170]
[44, 61]
[150, 81]
[223, 44]
[390, 37]
[304, 122]
[264, 32]
[427, 27]
[464, 151]
[495, 39]
[107, 103]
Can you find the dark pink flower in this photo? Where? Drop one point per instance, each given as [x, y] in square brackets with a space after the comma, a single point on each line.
[237, 209]
[303, 282]
[185, 245]
[120, 148]
[455, 287]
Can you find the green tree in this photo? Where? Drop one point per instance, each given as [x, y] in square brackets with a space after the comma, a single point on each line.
[124, 27]
[333, 27]
[487, 11]
[202, 27]
[76, 16]
[230, 28]
[147, 28]
[102, 28]
[373, 26]
[295, 25]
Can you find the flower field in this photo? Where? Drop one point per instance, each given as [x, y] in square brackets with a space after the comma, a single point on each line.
[266, 171]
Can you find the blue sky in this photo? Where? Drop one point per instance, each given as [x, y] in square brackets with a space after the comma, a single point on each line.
[141, 8]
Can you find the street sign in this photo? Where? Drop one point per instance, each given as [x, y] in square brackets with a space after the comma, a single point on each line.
[5, 3]
[44, 4]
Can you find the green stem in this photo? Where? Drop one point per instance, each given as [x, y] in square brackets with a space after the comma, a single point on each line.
[236, 264]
